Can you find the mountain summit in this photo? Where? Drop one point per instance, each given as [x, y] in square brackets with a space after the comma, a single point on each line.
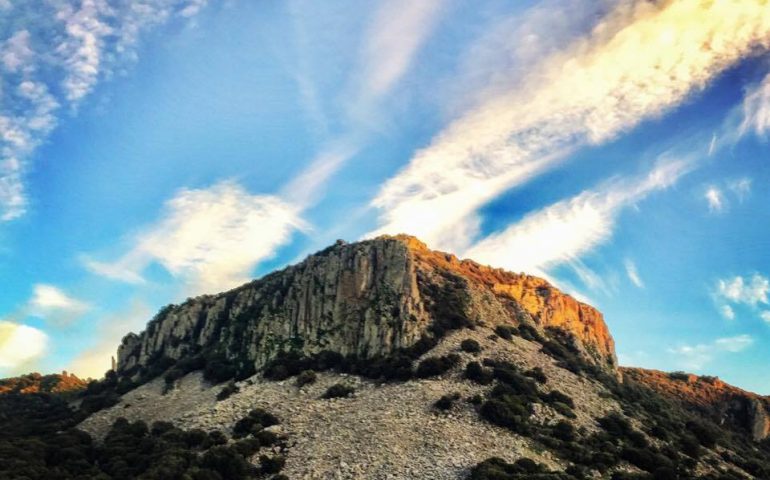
[383, 359]
[368, 299]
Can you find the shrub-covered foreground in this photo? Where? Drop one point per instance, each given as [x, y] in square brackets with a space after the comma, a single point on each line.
[38, 441]
[668, 444]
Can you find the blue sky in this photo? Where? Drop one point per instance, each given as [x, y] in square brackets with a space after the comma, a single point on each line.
[162, 149]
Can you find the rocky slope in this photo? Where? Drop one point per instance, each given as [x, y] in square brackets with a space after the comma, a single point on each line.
[711, 397]
[365, 299]
[384, 359]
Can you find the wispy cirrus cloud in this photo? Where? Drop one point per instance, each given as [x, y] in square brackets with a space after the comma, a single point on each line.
[392, 40]
[645, 59]
[210, 239]
[756, 109]
[697, 356]
[633, 273]
[51, 58]
[54, 305]
[564, 231]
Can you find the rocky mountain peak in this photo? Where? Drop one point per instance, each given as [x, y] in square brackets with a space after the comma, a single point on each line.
[366, 299]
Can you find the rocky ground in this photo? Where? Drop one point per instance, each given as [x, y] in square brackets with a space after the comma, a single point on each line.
[383, 431]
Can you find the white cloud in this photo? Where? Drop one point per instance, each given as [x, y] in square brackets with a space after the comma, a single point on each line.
[211, 239]
[47, 299]
[632, 273]
[715, 199]
[565, 231]
[756, 109]
[727, 312]
[734, 344]
[20, 344]
[749, 291]
[765, 315]
[697, 356]
[55, 55]
[398, 30]
[636, 65]
[741, 188]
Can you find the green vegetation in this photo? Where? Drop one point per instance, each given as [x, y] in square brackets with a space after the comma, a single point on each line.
[38, 441]
[338, 390]
[470, 345]
[446, 401]
[435, 366]
[307, 377]
[227, 391]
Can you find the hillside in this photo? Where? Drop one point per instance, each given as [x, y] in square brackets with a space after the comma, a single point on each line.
[384, 359]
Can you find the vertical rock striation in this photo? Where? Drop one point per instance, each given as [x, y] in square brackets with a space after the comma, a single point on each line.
[365, 299]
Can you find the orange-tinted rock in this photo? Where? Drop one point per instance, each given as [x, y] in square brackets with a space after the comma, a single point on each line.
[37, 383]
[709, 396]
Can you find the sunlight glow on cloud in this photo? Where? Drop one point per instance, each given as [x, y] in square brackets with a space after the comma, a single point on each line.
[211, 239]
[583, 95]
[53, 57]
[565, 231]
[20, 344]
[94, 360]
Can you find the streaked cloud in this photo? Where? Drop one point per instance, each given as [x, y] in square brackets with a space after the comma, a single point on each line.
[765, 315]
[210, 239]
[565, 231]
[715, 199]
[49, 300]
[397, 31]
[582, 95]
[633, 273]
[20, 344]
[756, 109]
[51, 58]
[697, 356]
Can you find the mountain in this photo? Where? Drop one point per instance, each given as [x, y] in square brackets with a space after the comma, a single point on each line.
[367, 299]
[710, 397]
[35, 383]
[383, 359]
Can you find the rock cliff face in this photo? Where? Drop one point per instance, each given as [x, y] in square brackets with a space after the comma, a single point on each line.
[365, 299]
[725, 404]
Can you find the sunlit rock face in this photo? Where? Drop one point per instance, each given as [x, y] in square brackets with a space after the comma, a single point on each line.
[366, 299]
[709, 396]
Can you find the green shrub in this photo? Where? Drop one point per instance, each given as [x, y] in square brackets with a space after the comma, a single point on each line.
[306, 377]
[475, 372]
[555, 396]
[446, 401]
[338, 390]
[434, 366]
[272, 464]
[505, 332]
[537, 375]
[227, 391]
[470, 345]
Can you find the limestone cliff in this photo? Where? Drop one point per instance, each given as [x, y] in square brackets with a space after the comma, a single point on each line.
[366, 299]
[725, 404]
